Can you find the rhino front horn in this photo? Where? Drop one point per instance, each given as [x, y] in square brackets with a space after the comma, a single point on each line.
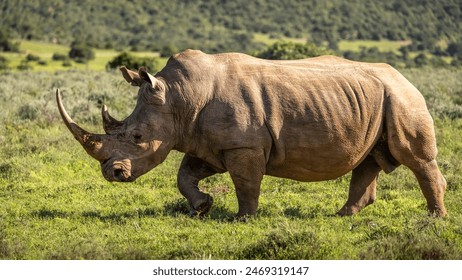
[92, 143]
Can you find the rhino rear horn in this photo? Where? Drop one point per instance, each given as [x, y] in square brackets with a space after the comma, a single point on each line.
[110, 125]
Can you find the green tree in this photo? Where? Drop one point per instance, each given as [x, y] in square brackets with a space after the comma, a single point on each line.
[457, 61]
[421, 60]
[291, 50]
[168, 51]
[6, 45]
[454, 48]
[132, 62]
[3, 63]
[81, 52]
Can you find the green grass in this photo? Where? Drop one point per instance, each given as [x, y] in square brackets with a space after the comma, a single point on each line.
[102, 56]
[269, 40]
[46, 50]
[343, 45]
[55, 204]
[382, 45]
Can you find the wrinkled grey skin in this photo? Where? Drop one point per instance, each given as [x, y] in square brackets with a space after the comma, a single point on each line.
[309, 120]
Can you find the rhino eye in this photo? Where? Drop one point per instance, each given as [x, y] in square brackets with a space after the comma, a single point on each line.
[137, 137]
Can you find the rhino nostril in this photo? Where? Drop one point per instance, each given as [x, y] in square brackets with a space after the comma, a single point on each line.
[118, 173]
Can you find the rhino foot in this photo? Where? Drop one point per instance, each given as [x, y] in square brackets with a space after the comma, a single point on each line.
[201, 207]
[348, 211]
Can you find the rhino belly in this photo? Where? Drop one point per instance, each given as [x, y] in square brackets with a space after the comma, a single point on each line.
[306, 165]
[316, 152]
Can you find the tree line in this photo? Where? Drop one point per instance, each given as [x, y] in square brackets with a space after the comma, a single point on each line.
[217, 26]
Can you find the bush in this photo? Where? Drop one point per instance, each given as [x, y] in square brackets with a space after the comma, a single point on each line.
[454, 49]
[421, 60]
[6, 45]
[67, 63]
[28, 112]
[457, 61]
[81, 52]
[59, 57]
[3, 63]
[291, 50]
[32, 57]
[168, 51]
[24, 65]
[133, 62]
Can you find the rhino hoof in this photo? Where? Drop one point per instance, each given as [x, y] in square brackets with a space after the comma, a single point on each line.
[203, 208]
[347, 211]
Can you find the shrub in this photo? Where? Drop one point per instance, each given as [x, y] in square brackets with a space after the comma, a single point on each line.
[133, 62]
[454, 48]
[3, 63]
[28, 112]
[421, 60]
[6, 45]
[291, 50]
[168, 51]
[59, 57]
[81, 52]
[457, 61]
[24, 65]
[66, 63]
[32, 57]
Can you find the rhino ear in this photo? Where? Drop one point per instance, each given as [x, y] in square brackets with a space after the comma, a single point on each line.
[157, 87]
[143, 73]
[131, 76]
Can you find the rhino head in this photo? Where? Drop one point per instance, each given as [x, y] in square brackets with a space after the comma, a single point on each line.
[137, 144]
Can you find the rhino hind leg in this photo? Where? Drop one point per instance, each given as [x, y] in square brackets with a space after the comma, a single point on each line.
[433, 186]
[413, 144]
[362, 190]
[191, 171]
[425, 169]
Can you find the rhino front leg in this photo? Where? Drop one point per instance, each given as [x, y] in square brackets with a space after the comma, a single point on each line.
[362, 187]
[192, 170]
[246, 167]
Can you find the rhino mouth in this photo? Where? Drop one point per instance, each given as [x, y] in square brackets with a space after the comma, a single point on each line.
[117, 171]
[122, 175]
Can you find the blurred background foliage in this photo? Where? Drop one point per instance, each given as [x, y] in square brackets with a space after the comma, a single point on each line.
[218, 26]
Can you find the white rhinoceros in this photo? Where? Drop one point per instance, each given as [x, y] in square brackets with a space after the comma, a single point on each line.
[309, 120]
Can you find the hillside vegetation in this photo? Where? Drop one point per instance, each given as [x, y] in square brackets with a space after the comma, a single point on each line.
[216, 26]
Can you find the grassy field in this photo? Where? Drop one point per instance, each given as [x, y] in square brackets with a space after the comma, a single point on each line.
[382, 45]
[45, 52]
[343, 45]
[55, 204]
